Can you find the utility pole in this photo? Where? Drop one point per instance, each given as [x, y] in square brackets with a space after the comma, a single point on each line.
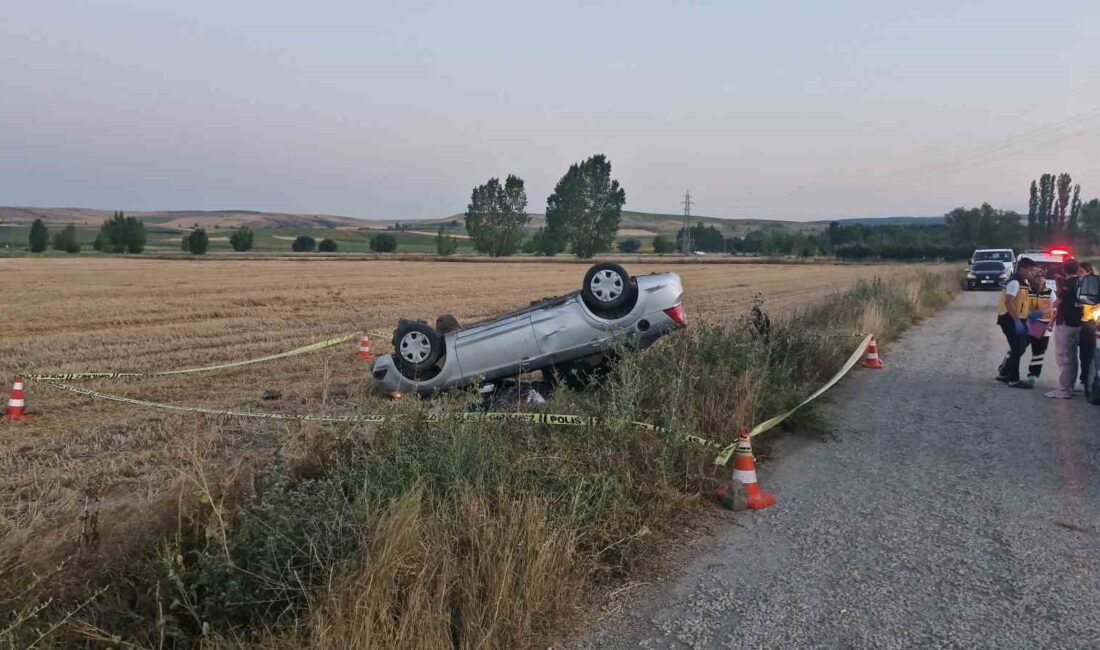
[685, 242]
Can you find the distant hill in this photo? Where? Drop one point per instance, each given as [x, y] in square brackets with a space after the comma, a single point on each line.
[886, 221]
[634, 224]
[183, 219]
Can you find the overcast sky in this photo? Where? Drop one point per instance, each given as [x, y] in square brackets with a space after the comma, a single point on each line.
[386, 109]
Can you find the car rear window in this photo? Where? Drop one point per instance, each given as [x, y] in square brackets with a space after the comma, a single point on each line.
[1000, 256]
[989, 266]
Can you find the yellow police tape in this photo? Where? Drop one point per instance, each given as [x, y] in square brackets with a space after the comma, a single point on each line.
[555, 419]
[727, 452]
[312, 347]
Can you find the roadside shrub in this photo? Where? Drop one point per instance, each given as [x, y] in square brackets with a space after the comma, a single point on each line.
[383, 243]
[327, 246]
[65, 240]
[303, 244]
[445, 244]
[241, 239]
[198, 242]
[629, 245]
[662, 245]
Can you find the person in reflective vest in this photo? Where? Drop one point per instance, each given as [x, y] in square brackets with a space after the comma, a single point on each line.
[1039, 308]
[1014, 299]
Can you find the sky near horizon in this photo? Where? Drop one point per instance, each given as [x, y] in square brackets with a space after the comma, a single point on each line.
[396, 109]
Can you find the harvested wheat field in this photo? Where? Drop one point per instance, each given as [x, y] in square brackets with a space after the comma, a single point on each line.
[102, 314]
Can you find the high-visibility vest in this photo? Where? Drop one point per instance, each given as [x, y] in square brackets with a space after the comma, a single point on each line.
[1043, 301]
[1021, 298]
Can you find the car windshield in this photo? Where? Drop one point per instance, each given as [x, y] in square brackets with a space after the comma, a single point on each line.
[989, 266]
[999, 256]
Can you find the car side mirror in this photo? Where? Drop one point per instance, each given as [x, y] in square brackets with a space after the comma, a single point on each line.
[1088, 290]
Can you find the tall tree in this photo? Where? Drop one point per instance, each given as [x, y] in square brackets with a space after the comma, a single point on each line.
[1073, 225]
[586, 206]
[1062, 187]
[39, 238]
[1032, 213]
[1046, 202]
[496, 216]
[1090, 220]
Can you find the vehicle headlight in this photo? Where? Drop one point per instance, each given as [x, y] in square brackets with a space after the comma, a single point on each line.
[970, 275]
[1004, 276]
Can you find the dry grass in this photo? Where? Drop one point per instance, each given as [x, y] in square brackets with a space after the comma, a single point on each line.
[115, 314]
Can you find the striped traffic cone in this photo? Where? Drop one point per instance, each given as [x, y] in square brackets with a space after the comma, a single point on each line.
[16, 403]
[744, 471]
[871, 360]
[364, 348]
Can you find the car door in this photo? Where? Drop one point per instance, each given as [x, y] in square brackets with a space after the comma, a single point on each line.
[566, 332]
[498, 348]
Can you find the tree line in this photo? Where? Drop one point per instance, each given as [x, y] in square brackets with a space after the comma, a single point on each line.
[1057, 215]
[582, 213]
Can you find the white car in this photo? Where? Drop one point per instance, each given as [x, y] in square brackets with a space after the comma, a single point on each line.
[1003, 255]
[1050, 261]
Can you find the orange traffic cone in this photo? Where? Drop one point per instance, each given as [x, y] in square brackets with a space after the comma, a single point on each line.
[364, 348]
[872, 360]
[744, 470]
[16, 403]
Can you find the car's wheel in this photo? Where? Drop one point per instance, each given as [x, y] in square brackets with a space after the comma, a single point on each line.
[607, 288]
[417, 348]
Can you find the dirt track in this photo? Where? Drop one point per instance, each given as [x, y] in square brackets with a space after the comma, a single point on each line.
[949, 511]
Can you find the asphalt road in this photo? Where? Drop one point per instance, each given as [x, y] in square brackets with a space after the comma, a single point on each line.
[949, 511]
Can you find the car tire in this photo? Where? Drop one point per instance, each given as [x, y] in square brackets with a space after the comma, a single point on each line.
[607, 289]
[417, 348]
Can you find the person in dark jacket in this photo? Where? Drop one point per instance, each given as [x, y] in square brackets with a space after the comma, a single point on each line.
[1067, 330]
[1088, 339]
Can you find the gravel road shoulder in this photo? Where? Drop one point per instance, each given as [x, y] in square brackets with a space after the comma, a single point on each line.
[948, 511]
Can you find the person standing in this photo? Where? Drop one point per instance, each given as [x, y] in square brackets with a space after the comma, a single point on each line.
[1014, 301]
[1067, 330]
[1089, 314]
[1040, 314]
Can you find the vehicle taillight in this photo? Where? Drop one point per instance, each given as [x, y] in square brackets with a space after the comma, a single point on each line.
[678, 314]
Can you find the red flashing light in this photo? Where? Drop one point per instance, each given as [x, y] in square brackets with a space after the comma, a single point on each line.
[678, 314]
[1059, 251]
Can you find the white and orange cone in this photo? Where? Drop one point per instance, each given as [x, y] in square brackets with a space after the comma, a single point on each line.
[744, 470]
[16, 403]
[872, 360]
[744, 473]
[364, 348]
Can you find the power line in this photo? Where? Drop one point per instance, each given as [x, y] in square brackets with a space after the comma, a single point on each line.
[1012, 145]
[685, 241]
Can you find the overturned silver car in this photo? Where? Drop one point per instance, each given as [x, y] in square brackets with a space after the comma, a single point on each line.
[559, 336]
